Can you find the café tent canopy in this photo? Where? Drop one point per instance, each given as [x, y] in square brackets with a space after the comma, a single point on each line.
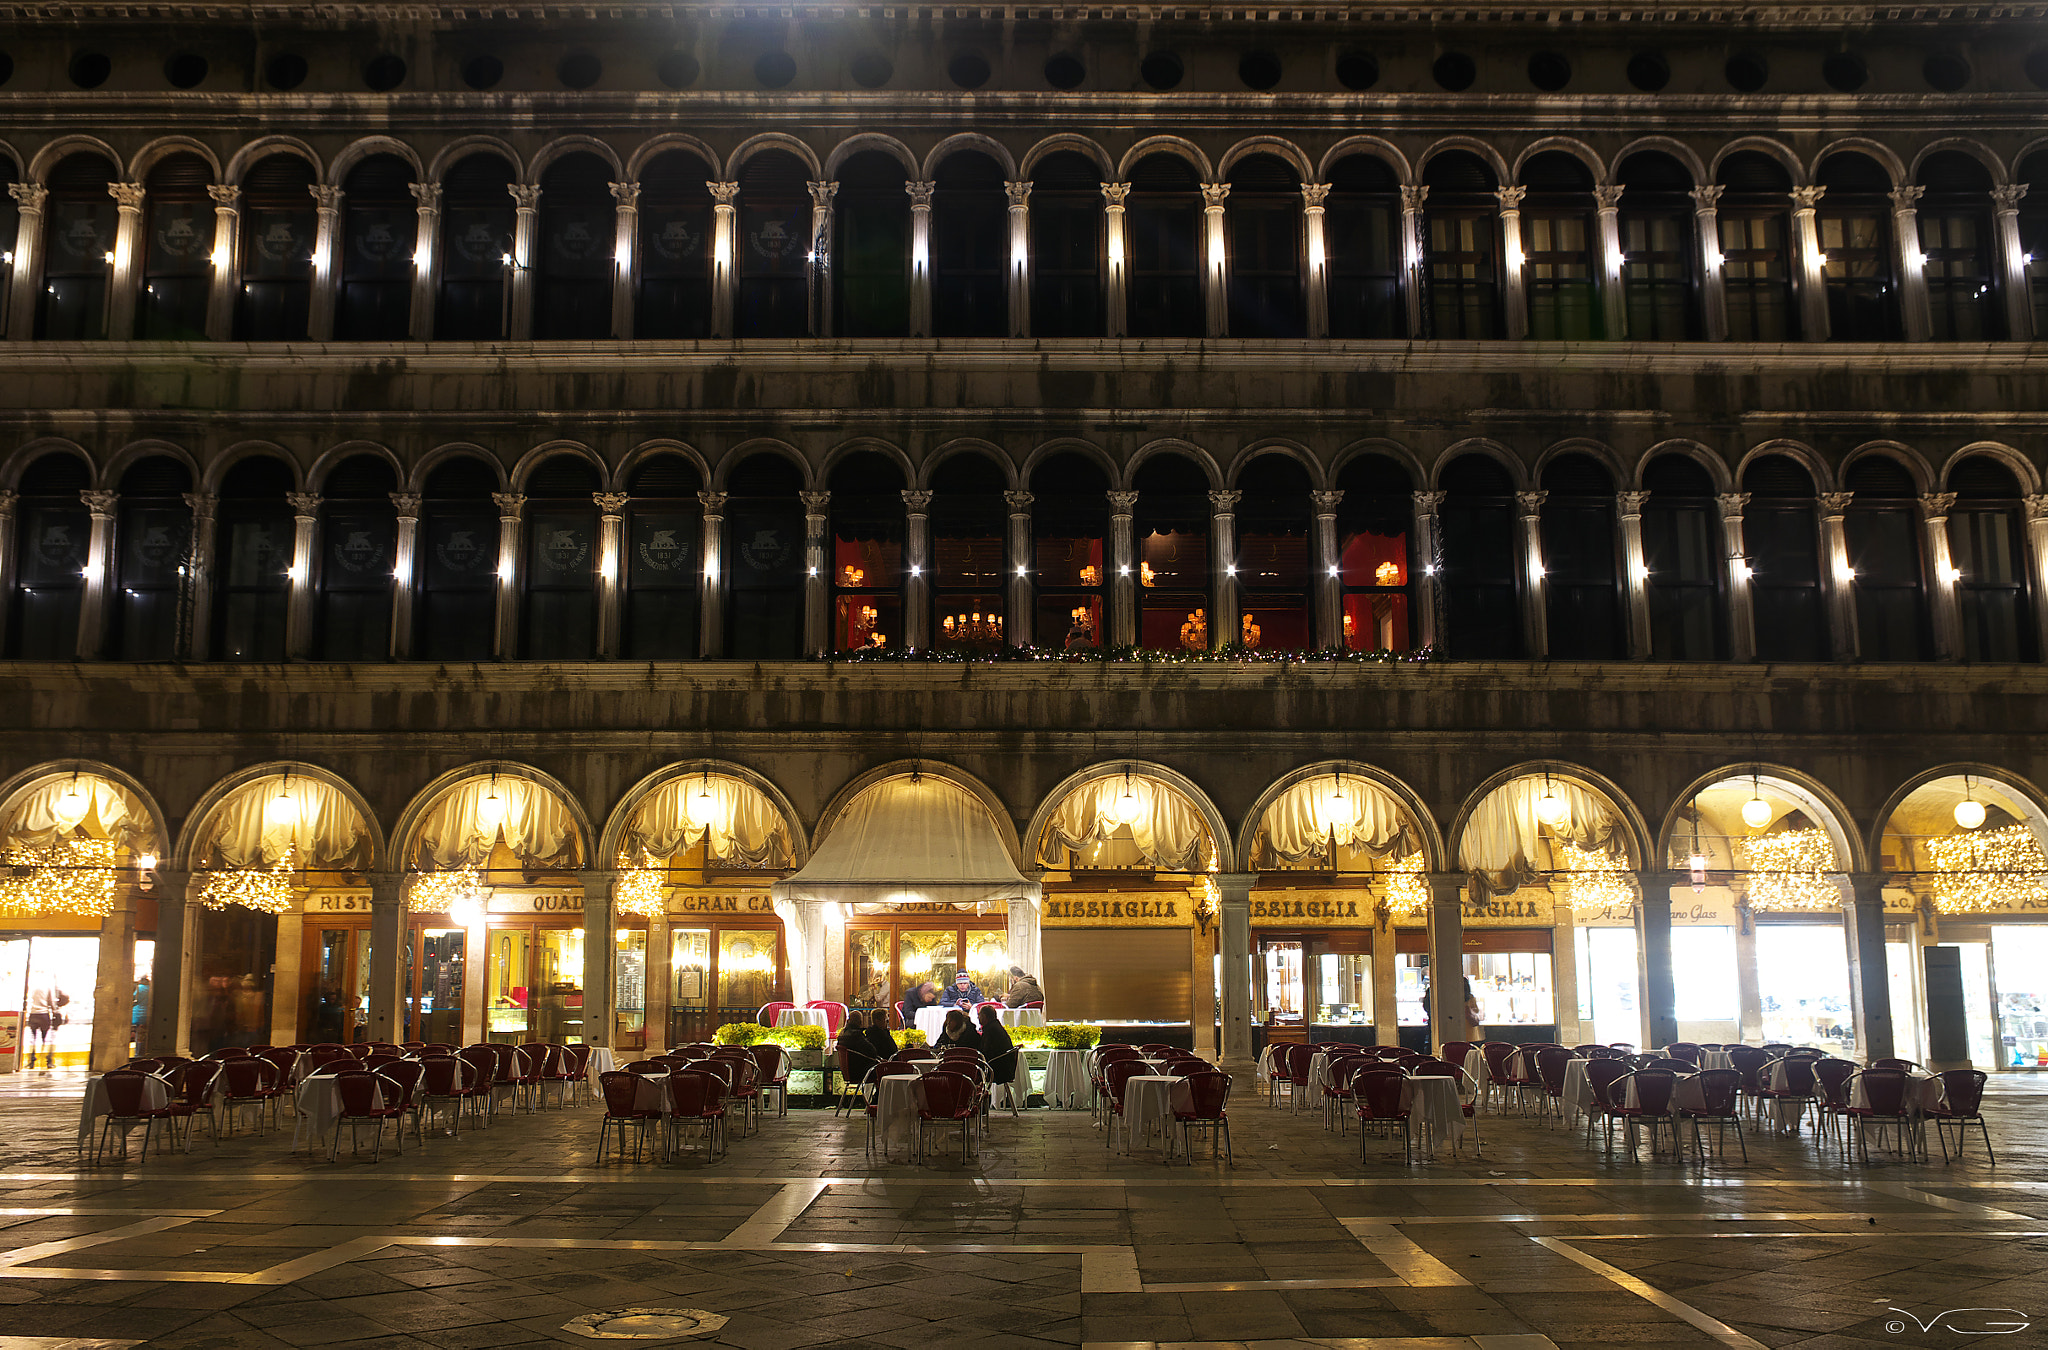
[907, 840]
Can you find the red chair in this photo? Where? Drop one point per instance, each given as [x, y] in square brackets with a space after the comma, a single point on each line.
[367, 1096]
[772, 1063]
[407, 1073]
[245, 1083]
[556, 1073]
[950, 1098]
[1654, 1089]
[482, 1080]
[621, 1091]
[835, 1015]
[769, 1011]
[1831, 1091]
[1693, 1054]
[697, 1101]
[1908, 1065]
[1962, 1101]
[193, 1098]
[412, 1045]
[1497, 1075]
[1720, 1101]
[1601, 1076]
[529, 1068]
[1750, 1062]
[1377, 1098]
[442, 1080]
[1207, 1109]
[1797, 1076]
[1115, 1075]
[576, 1065]
[1299, 1060]
[1454, 1052]
[126, 1097]
[1884, 1097]
[1551, 1062]
[284, 1061]
[229, 1052]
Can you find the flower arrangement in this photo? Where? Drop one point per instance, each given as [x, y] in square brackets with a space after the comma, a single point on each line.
[908, 1037]
[753, 1033]
[1056, 1036]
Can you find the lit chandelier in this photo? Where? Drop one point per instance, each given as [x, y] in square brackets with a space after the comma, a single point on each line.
[1990, 870]
[459, 888]
[1595, 884]
[1407, 894]
[639, 892]
[1787, 870]
[71, 877]
[267, 890]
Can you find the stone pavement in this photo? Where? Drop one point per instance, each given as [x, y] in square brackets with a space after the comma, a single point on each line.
[512, 1235]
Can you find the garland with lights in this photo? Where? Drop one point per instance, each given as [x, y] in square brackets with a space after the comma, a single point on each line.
[70, 877]
[1595, 884]
[1999, 869]
[1787, 871]
[267, 890]
[443, 892]
[640, 892]
[1407, 893]
[1229, 656]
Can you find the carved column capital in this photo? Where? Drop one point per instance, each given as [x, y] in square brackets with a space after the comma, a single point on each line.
[2007, 198]
[1412, 198]
[525, 196]
[1510, 198]
[815, 502]
[128, 196]
[225, 194]
[1223, 502]
[407, 504]
[713, 504]
[1834, 503]
[100, 503]
[428, 195]
[1708, 197]
[1114, 193]
[325, 198]
[611, 503]
[1806, 198]
[202, 505]
[1213, 195]
[1607, 196]
[1313, 195]
[1732, 504]
[1631, 502]
[305, 505]
[1427, 502]
[1019, 501]
[722, 194]
[822, 194]
[1531, 502]
[7, 501]
[2037, 507]
[510, 504]
[920, 195]
[28, 196]
[1907, 198]
[916, 501]
[1326, 502]
[1121, 502]
[625, 194]
[1017, 194]
[1937, 505]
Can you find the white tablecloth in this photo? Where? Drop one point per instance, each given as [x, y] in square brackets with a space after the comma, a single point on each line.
[650, 1093]
[156, 1095]
[897, 1101]
[1922, 1092]
[1688, 1094]
[1066, 1080]
[931, 1021]
[1435, 1108]
[1021, 1017]
[1786, 1110]
[317, 1102]
[1149, 1104]
[602, 1060]
[1716, 1059]
[1578, 1089]
[803, 1017]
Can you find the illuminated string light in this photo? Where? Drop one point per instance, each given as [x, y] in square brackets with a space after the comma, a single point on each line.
[1787, 870]
[2001, 869]
[1596, 884]
[1407, 893]
[267, 890]
[446, 892]
[639, 893]
[70, 877]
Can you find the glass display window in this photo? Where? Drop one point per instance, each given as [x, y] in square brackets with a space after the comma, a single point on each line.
[334, 986]
[1803, 979]
[534, 977]
[1610, 990]
[1286, 999]
[433, 985]
[1411, 990]
[2019, 977]
[1703, 974]
[1344, 994]
[719, 975]
[629, 988]
[1513, 988]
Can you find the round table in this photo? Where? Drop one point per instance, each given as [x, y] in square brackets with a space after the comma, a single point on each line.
[897, 1101]
[1435, 1109]
[1149, 1104]
[1067, 1084]
[931, 1021]
[803, 1017]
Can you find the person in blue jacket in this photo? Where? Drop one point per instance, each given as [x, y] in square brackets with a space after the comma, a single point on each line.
[962, 993]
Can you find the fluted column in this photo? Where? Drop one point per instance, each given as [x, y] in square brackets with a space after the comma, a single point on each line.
[625, 257]
[227, 262]
[920, 257]
[511, 511]
[1412, 265]
[1841, 577]
[1713, 266]
[404, 571]
[1316, 283]
[298, 614]
[1813, 286]
[1514, 290]
[1946, 605]
[1741, 602]
[1653, 919]
[724, 256]
[99, 566]
[1329, 631]
[519, 279]
[822, 194]
[1017, 623]
[426, 252]
[610, 532]
[711, 598]
[917, 551]
[1234, 945]
[1535, 592]
[326, 255]
[1912, 263]
[1123, 578]
[2012, 263]
[817, 574]
[1018, 272]
[1216, 260]
[27, 278]
[198, 644]
[1613, 312]
[127, 271]
[600, 958]
[1116, 323]
[1224, 624]
[1635, 570]
[1429, 587]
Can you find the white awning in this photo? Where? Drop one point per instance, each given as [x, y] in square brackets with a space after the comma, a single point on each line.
[907, 840]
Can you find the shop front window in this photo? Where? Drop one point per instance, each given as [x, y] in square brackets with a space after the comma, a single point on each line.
[629, 988]
[1411, 990]
[535, 979]
[868, 969]
[336, 986]
[922, 956]
[689, 985]
[2019, 966]
[237, 951]
[1285, 997]
[1513, 988]
[1608, 990]
[1343, 990]
[433, 985]
[1703, 975]
[51, 979]
[746, 971]
[1802, 974]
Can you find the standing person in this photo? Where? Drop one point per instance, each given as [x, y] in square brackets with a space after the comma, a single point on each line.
[138, 1016]
[924, 995]
[1023, 989]
[1000, 1051]
[248, 1005]
[960, 1032]
[46, 1004]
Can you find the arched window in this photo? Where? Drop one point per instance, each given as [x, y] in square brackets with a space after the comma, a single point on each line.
[478, 218]
[53, 532]
[1461, 234]
[561, 560]
[969, 523]
[359, 538]
[1581, 578]
[871, 240]
[152, 558]
[573, 261]
[1959, 246]
[1658, 249]
[1986, 530]
[252, 561]
[278, 228]
[1783, 538]
[1377, 570]
[1477, 524]
[1362, 238]
[867, 516]
[177, 248]
[1855, 224]
[764, 559]
[663, 521]
[1682, 550]
[380, 232]
[79, 226]
[1558, 234]
[1263, 213]
[1163, 228]
[774, 248]
[2034, 236]
[1066, 247]
[1755, 221]
[1172, 530]
[970, 248]
[1882, 529]
[676, 234]
[1069, 552]
[458, 573]
[1274, 577]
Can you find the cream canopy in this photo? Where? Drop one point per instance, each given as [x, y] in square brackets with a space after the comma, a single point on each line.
[323, 827]
[537, 827]
[40, 819]
[1298, 824]
[910, 839]
[745, 831]
[1167, 828]
[1503, 843]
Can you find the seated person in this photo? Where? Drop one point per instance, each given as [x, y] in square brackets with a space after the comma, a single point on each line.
[959, 1032]
[860, 1051]
[924, 995]
[962, 993]
[1023, 989]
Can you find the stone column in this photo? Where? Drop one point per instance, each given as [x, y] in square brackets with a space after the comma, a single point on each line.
[1316, 284]
[711, 598]
[1741, 609]
[426, 250]
[1613, 309]
[227, 263]
[404, 570]
[1635, 571]
[8, 549]
[127, 268]
[25, 284]
[821, 257]
[2037, 558]
[1329, 618]
[1748, 993]
[1414, 275]
[920, 257]
[1514, 290]
[917, 565]
[519, 278]
[1215, 260]
[1224, 629]
[511, 510]
[199, 585]
[610, 562]
[2012, 263]
[298, 620]
[1869, 982]
[99, 567]
[724, 256]
[387, 956]
[286, 972]
[1714, 268]
[1535, 594]
[113, 1000]
[1912, 263]
[1429, 597]
[625, 257]
[170, 1004]
[1017, 622]
[659, 974]
[1386, 966]
[1841, 578]
[1018, 276]
[1446, 959]
[1813, 286]
[1123, 577]
[817, 573]
[1234, 927]
[1945, 605]
[600, 966]
[326, 268]
[1564, 973]
[1117, 276]
[1653, 931]
[476, 939]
